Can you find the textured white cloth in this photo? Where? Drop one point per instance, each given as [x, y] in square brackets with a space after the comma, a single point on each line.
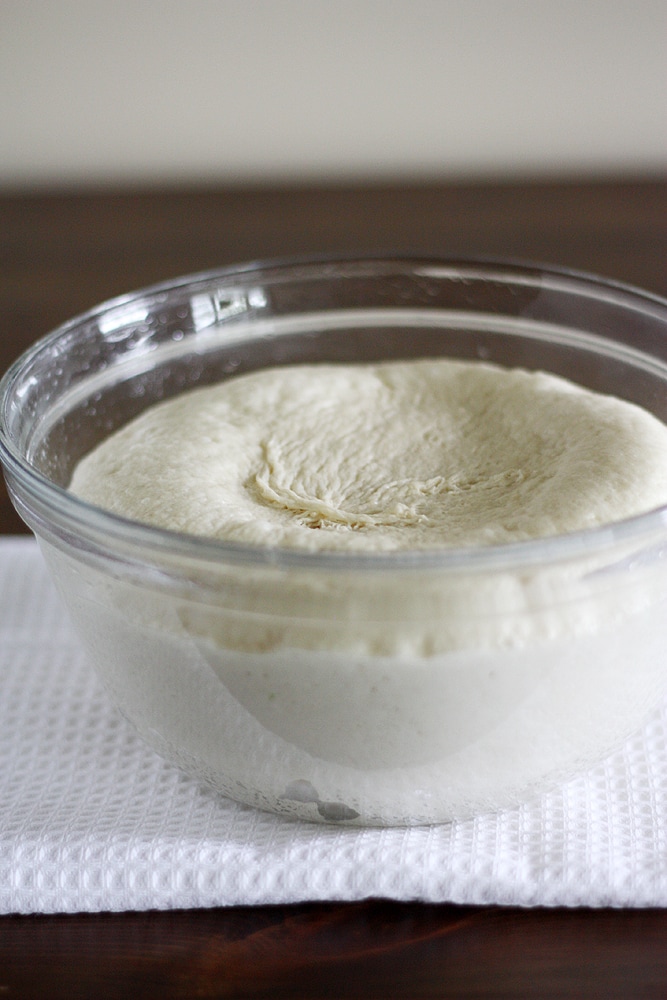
[91, 819]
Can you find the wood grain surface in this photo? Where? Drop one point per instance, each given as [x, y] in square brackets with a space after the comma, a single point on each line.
[61, 253]
[371, 949]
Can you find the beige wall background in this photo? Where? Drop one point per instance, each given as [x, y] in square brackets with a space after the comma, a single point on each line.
[252, 90]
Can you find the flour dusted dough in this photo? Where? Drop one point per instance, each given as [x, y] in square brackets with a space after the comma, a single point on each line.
[398, 455]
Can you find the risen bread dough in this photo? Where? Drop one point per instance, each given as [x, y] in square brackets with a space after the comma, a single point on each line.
[369, 693]
[398, 455]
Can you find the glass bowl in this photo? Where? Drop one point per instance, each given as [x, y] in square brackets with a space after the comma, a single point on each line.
[381, 689]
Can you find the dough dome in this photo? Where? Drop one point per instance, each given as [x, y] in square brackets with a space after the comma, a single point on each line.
[372, 457]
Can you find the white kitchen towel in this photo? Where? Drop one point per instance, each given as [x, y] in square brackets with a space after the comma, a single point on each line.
[91, 819]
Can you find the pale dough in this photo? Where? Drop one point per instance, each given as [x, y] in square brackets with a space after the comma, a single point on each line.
[370, 692]
[372, 457]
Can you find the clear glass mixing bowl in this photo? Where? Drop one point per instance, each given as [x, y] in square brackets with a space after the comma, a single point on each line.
[395, 688]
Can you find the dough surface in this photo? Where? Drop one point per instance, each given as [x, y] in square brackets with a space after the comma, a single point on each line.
[395, 455]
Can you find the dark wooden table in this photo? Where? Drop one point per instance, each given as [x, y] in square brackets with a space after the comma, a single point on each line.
[63, 252]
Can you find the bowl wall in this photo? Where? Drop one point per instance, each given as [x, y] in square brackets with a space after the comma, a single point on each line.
[402, 688]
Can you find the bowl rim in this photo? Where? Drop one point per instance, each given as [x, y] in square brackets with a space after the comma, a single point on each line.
[92, 528]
